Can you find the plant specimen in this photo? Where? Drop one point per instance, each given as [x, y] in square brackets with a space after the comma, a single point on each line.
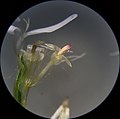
[31, 58]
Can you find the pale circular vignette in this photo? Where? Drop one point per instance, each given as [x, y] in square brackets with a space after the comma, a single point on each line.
[89, 81]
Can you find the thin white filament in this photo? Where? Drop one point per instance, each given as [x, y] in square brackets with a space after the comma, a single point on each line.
[76, 57]
[52, 28]
[72, 58]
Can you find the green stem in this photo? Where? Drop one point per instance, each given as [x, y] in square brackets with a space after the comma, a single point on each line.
[42, 73]
[20, 88]
[24, 95]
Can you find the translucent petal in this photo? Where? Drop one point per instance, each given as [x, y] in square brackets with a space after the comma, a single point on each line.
[76, 57]
[67, 61]
[71, 58]
[53, 47]
[38, 56]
